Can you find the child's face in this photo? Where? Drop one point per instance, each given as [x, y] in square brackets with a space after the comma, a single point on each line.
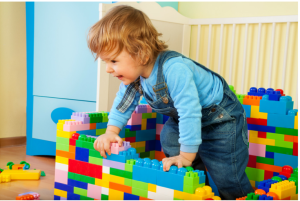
[124, 67]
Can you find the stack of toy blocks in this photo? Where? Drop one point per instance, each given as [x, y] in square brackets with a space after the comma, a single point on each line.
[281, 187]
[272, 133]
[83, 174]
[143, 132]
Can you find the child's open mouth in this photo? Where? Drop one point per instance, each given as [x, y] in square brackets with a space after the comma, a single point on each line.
[120, 77]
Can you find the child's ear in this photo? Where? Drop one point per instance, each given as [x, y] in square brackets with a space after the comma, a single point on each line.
[145, 60]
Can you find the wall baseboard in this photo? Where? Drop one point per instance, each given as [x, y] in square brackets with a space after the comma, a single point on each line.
[12, 141]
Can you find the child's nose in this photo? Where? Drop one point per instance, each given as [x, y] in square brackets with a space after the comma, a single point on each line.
[109, 69]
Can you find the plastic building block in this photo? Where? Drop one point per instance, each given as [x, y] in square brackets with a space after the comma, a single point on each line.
[282, 120]
[283, 189]
[286, 161]
[173, 179]
[254, 127]
[247, 109]
[21, 174]
[136, 119]
[252, 100]
[141, 109]
[265, 197]
[256, 121]
[75, 126]
[257, 92]
[81, 116]
[257, 149]
[282, 106]
[35, 195]
[25, 197]
[203, 193]
[241, 97]
[145, 135]
[266, 185]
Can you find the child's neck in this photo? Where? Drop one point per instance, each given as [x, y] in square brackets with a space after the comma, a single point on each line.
[148, 70]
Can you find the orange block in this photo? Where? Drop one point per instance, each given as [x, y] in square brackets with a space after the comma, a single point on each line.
[289, 138]
[272, 168]
[142, 198]
[159, 155]
[65, 154]
[72, 149]
[17, 167]
[252, 100]
[296, 139]
[120, 187]
[92, 126]
[242, 198]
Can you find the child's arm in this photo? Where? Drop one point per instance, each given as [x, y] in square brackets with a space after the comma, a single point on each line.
[183, 159]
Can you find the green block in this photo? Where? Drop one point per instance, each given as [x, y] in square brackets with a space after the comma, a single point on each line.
[127, 175]
[140, 149]
[127, 182]
[176, 199]
[140, 185]
[95, 117]
[100, 131]
[62, 140]
[241, 98]
[62, 147]
[104, 116]
[85, 198]
[80, 191]
[264, 160]
[287, 131]
[146, 115]
[145, 154]
[280, 150]
[130, 133]
[140, 192]
[252, 196]
[152, 155]
[191, 189]
[88, 145]
[275, 136]
[104, 197]
[96, 161]
[284, 144]
[94, 153]
[79, 143]
[87, 179]
[129, 165]
[71, 175]
[43, 174]
[191, 179]
[116, 172]
[77, 177]
[255, 174]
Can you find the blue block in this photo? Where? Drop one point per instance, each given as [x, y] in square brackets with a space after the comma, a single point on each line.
[151, 144]
[101, 125]
[269, 154]
[144, 174]
[157, 145]
[284, 159]
[202, 177]
[282, 177]
[247, 109]
[63, 187]
[82, 154]
[170, 180]
[282, 106]
[56, 197]
[78, 184]
[151, 121]
[88, 132]
[261, 128]
[275, 174]
[145, 135]
[165, 118]
[134, 127]
[265, 197]
[122, 133]
[151, 126]
[130, 197]
[118, 158]
[159, 118]
[72, 196]
[266, 184]
[256, 92]
[281, 120]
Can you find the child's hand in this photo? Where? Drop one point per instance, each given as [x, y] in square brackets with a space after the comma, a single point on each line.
[179, 161]
[103, 142]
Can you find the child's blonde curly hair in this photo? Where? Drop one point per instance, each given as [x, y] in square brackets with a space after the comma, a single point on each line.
[126, 27]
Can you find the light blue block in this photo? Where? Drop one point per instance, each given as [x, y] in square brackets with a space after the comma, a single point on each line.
[101, 125]
[88, 132]
[145, 135]
[281, 120]
[144, 174]
[282, 106]
[247, 109]
[122, 133]
[159, 118]
[284, 159]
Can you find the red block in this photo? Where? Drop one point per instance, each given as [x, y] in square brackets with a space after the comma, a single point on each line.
[72, 142]
[262, 134]
[157, 137]
[95, 171]
[73, 165]
[262, 122]
[83, 168]
[295, 149]
[252, 161]
[286, 171]
[75, 136]
[268, 175]
[130, 139]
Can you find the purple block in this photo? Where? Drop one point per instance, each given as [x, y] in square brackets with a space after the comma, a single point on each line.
[81, 116]
[134, 127]
[114, 164]
[126, 145]
[141, 109]
[62, 198]
[147, 146]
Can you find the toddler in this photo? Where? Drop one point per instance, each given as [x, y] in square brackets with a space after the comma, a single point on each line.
[206, 125]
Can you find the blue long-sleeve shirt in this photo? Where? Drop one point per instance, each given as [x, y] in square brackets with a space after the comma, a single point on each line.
[190, 87]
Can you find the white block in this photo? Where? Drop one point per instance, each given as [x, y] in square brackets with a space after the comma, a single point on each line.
[163, 193]
[104, 191]
[61, 166]
[105, 169]
[151, 195]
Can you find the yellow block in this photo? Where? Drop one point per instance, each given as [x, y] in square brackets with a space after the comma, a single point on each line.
[153, 115]
[5, 178]
[113, 178]
[103, 183]
[178, 194]
[256, 114]
[152, 188]
[253, 138]
[60, 123]
[133, 144]
[62, 160]
[60, 193]
[123, 139]
[141, 144]
[296, 122]
[284, 189]
[22, 174]
[144, 124]
[202, 193]
[294, 197]
[115, 195]
[65, 134]
[252, 183]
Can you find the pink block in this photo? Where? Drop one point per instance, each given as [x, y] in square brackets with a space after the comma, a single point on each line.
[159, 127]
[75, 126]
[149, 109]
[257, 149]
[61, 176]
[94, 191]
[136, 119]
[115, 148]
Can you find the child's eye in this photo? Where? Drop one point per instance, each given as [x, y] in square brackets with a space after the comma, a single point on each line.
[113, 61]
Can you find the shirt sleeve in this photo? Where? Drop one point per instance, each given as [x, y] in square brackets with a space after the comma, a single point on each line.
[184, 93]
[117, 118]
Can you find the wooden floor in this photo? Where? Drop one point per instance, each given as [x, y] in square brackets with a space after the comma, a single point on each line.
[44, 186]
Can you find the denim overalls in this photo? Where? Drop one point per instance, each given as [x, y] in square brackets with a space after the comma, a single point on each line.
[224, 150]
